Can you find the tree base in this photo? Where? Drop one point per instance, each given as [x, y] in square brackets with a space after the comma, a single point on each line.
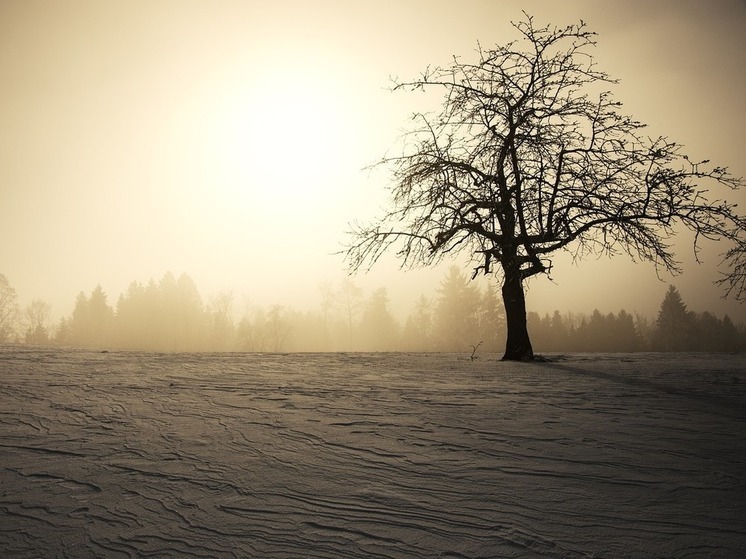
[527, 355]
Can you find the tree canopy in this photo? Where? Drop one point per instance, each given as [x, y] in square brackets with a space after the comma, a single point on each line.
[530, 154]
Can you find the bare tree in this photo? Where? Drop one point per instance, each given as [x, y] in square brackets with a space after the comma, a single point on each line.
[222, 320]
[530, 155]
[327, 303]
[278, 327]
[37, 316]
[8, 310]
[350, 296]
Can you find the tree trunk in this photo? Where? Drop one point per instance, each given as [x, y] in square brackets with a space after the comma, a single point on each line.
[518, 345]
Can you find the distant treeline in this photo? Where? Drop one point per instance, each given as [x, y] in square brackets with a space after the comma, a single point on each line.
[675, 329]
[170, 315]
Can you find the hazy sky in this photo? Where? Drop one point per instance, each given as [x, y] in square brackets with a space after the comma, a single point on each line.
[225, 139]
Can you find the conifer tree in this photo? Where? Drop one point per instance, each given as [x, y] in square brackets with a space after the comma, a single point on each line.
[674, 326]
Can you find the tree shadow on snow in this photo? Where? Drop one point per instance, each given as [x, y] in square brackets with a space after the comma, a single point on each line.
[732, 405]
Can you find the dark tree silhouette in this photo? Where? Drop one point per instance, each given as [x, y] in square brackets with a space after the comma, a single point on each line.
[530, 155]
[675, 324]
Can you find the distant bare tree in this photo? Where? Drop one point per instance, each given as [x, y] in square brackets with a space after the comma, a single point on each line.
[327, 303]
[222, 320]
[278, 328]
[529, 155]
[37, 316]
[350, 296]
[8, 310]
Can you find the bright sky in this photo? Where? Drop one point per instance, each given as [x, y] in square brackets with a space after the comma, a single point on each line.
[226, 139]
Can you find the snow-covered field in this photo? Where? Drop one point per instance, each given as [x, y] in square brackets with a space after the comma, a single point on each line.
[371, 455]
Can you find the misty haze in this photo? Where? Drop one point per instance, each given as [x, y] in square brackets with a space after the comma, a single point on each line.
[458, 316]
[341, 279]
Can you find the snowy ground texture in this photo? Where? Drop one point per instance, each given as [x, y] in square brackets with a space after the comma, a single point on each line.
[371, 455]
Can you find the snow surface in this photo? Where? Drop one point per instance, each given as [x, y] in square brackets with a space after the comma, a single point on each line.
[370, 455]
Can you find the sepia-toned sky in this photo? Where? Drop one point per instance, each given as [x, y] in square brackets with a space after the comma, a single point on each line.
[226, 139]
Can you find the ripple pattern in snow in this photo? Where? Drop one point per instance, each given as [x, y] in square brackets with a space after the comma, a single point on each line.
[370, 455]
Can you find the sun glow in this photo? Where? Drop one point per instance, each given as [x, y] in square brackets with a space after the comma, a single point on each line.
[276, 139]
